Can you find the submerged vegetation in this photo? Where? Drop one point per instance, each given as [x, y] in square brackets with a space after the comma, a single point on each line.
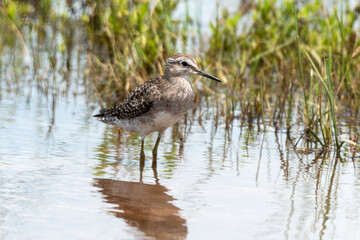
[284, 64]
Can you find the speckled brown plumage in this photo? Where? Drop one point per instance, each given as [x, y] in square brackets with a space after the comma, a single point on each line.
[137, 103]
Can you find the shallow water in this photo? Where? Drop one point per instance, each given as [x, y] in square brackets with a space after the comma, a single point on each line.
[75, 179]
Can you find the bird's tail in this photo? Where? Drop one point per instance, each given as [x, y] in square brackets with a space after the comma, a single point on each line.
[101, 113]
[105, 118]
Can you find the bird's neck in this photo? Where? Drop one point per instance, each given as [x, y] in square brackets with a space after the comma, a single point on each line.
[177, 78]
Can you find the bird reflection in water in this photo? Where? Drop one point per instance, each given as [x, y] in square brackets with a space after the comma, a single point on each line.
[145, 206]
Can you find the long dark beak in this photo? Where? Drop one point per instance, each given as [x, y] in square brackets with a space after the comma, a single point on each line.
[204, 74]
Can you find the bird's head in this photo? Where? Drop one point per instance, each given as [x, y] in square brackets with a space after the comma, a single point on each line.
[184, 65]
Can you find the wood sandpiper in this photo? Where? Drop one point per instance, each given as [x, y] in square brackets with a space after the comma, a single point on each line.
[158, 103]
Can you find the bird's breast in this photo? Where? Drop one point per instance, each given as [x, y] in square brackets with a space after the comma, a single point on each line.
[177, 97]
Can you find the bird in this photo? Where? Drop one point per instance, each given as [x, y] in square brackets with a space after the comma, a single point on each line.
[159, 102]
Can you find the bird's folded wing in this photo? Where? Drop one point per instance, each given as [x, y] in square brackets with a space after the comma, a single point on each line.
[136, 104]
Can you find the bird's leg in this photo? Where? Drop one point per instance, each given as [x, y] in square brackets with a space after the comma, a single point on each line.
[142, 154]
[142, 158]
[142, 164]
[154, 162]
[119, 134]
[156, 176]
[155, 149]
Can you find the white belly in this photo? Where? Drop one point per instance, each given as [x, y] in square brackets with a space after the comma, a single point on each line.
[165, 119]
[148, 124]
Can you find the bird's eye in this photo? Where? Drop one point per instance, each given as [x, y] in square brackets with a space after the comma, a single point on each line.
[184, 64]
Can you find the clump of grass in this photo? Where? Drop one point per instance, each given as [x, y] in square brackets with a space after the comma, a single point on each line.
[330, 121]
[269, 53]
